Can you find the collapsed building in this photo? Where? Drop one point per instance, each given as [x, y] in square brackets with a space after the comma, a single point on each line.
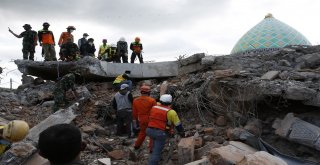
[260, 104]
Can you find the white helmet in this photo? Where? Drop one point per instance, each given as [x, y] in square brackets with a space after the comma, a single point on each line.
[166, 98]
[122, 39]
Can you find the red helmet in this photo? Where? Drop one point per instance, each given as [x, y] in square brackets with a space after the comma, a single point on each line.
[145, 89]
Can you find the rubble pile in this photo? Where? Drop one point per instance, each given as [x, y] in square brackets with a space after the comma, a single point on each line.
[220, 100]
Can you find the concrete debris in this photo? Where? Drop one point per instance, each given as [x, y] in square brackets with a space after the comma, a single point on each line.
[208, 60]
[186, 150]
[271, 75]
[261, 158]
[297, 130]
[116, 154]
[203, 161]
[105, 161]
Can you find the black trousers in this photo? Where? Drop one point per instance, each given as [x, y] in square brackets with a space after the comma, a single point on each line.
[133, 57]
[124, 122]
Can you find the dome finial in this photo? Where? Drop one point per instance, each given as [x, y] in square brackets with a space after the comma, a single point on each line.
[269, 15]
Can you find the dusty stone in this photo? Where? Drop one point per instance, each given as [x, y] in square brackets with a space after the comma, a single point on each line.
[192, 59]
[198, 142]
[16, 110]
[218, 139]
[203, 161]
[208, 138]
[208, 131]
[315, 101]
[186, 150]
[299, 93]
[232, 153]
[88, 129]
[36, 159]
[92, 148]
[271, 75]
[105, 161]
[254, 127]
[116, 154]
[284, 63]
[261, 158]
[223, 73]
[221, 121]
[18, 153]
[234, 134]
[208, 60]
[198, 153]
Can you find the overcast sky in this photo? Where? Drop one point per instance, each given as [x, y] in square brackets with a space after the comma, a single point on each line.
[167, 28]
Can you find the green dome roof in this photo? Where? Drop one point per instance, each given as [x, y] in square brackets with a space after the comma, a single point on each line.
[269, 33]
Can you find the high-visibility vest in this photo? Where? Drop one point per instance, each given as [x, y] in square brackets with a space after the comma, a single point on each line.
[46, 36]
[118, 80]
[158, 117]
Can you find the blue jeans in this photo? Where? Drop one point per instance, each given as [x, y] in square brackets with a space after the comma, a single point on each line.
[159, 140]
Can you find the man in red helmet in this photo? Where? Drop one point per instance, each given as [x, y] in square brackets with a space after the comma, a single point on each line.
[140, 112]
[136, 48]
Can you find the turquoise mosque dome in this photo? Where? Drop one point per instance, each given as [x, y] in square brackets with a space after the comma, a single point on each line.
[269, 34]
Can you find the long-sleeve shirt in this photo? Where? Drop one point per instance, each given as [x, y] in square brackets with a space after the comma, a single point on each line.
[115, 104]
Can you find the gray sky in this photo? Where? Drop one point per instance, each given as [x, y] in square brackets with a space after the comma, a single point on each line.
[167, 28]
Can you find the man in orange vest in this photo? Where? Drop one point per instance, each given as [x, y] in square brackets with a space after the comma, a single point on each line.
[65, 35]
[46, 40]
[140, 111]
[162, 120]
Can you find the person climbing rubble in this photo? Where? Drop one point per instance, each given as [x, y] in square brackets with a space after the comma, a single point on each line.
[112, 52]
[122, 103]
[136, 48]
[69, 51]
[162, 120]
[122, 79]
[29, 41]
[66, 83]
[14, 131]
[140, 112]
[61, 144]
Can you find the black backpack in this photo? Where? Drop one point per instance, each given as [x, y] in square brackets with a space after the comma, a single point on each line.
[122, 47]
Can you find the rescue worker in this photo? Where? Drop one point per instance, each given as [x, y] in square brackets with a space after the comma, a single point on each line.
[13, 131]
[112, 53]
[29, 41]
[83, 40]
[136, 48]
[103, 54]
[140, 112]
[61, 144]
[122, 50]
[46, 40]
[69, 51]
[65, 35]
[122, 79]
[122, 103]
[88, 48]
[66, 83]
[162, 119]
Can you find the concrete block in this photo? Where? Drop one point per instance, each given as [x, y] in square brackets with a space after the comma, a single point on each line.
[192, 59]
[203, 151]
[261, 158]
[105, 161]
[186, 150]
[285, 125]
[204, 161]
[208, 60]
[299, 93]
[271, 75]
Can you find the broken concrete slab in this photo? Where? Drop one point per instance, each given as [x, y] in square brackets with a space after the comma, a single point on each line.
[299, 93]
[261, 158]
[191, 60]
[230, 154]
[91, 68]
[297, 130]
[208, 60]
[203, 151]
[18, 153]
[105, 161]
[203, 161]
[186, 150]
[116, 154]
[271, 75]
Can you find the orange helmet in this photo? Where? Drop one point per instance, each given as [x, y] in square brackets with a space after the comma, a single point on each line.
[137, 39]
[145, 89]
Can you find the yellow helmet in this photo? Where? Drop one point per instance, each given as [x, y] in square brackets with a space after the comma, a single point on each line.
[15, 130]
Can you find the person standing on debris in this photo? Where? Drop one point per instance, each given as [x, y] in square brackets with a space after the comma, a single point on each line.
[29, 41]
[88, 48]
[61, 144]
[69, 51]
[122, 50]
[67, 82]
[112, 52]
[162, 119]
[83, 40]
[136, 48]
[46, 40]
[14, 131]
[103, 54]
[122, 79]
[122, 103]
[140, 112]
[65, 35]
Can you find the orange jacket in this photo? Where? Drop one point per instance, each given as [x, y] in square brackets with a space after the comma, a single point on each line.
[141, 108]
[64, 36]
[46, 37]
[158, 117]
